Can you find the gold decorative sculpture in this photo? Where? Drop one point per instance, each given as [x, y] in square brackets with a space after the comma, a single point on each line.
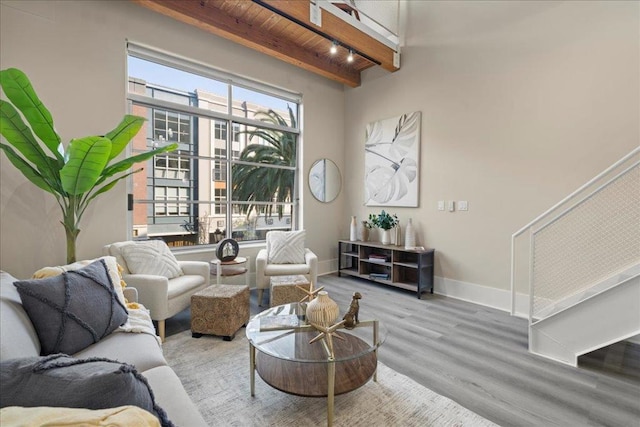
[311, 293]
[327, 333]
[351, 317]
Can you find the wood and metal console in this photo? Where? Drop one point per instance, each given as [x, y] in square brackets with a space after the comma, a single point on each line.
[389, 264]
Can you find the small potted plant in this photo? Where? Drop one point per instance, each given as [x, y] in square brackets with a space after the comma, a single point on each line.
[386, 222]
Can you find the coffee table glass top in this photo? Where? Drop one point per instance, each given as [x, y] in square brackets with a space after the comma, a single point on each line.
[282, 332]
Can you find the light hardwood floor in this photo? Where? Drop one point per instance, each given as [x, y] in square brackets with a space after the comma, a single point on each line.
[478, 357]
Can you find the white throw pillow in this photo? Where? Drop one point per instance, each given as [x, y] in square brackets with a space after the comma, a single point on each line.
[286, 247]
[151, 257]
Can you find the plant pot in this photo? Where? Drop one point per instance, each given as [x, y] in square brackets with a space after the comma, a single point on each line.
[386, 237]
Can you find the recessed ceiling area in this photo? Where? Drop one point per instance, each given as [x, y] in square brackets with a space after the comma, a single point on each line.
[283, 29]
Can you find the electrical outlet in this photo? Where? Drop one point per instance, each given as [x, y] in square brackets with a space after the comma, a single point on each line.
[440, 205]
[452, 206]
[463, 205]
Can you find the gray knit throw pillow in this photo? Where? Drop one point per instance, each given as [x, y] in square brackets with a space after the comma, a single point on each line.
[73, 310]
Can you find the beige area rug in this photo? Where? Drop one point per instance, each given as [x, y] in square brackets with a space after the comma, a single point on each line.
[215, 373]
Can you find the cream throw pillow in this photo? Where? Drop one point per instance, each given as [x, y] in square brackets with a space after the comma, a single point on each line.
[151, 257]
[286, 247]
[112, 269]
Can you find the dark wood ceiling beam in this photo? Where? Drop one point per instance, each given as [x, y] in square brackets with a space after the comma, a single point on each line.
[337, 29]
[206, 16]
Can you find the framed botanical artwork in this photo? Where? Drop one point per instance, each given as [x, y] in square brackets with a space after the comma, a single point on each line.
[392, 161]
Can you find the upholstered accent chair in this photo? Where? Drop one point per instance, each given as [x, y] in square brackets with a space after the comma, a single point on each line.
[284, 255]
[164, 284]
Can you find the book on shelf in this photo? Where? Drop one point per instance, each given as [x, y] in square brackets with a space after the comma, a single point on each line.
[384, 276]
[377, 258]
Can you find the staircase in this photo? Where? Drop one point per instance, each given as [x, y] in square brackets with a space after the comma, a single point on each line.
[582, 266]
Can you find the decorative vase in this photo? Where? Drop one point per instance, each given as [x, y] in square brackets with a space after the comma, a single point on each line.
[364, 231]
[386, 237]
[353, 229]
[409, 235]
[398, 234]
[322, 310]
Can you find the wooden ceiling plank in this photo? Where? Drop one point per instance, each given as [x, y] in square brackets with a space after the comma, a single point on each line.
[337, 29]
[221, 24]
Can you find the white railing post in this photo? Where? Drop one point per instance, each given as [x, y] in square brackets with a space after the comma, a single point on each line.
[531, 272]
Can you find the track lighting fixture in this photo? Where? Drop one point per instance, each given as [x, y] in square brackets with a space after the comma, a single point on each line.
[350, 57]
[334, 48]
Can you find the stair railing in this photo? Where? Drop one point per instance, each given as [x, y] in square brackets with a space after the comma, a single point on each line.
[564, 248]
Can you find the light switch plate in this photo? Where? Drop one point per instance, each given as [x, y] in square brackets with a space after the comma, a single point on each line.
[452, 206]
[463, 205]
[440, 205]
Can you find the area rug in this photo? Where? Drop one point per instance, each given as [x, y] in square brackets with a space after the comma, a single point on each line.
[215, 373]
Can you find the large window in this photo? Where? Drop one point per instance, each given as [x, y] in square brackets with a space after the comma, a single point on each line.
[235, 173]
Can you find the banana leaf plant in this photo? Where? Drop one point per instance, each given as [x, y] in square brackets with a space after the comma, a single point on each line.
[75, 176]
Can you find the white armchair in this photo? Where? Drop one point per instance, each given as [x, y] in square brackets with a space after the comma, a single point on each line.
[267, 265]
[162, 296]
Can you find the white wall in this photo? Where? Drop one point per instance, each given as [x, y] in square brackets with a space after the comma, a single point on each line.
[522, 102]
[74, 54]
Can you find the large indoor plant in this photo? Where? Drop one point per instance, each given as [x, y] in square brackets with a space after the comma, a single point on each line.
[386, 222]
[75, 174]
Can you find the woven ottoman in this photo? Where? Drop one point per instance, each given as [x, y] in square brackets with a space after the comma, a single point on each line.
[219, 310]
[283, 289]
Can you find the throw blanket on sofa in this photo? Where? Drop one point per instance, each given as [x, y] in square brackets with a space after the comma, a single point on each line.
[139, 321]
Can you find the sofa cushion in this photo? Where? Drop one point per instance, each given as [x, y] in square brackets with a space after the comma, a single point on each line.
[18, 336]
[62, 381]
[121, 416]
[73, 310]
[151, 257]
[286, 247]
[172, 397]
[138, 349]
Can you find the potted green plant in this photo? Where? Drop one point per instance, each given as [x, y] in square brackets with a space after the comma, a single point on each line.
[75, 174]
[385, 222]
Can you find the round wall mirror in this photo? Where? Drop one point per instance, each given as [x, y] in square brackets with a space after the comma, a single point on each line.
[325, 180]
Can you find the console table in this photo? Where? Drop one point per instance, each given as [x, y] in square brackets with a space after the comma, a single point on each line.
[388, 264]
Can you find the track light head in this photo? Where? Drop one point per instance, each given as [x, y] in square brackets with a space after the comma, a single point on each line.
[350, 57]
[334, 48]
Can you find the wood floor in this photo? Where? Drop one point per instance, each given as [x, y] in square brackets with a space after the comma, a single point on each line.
[478, 357]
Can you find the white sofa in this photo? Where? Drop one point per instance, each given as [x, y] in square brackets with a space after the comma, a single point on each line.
[18, 339]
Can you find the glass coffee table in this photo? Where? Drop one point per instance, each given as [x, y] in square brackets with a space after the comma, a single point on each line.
[279, 350]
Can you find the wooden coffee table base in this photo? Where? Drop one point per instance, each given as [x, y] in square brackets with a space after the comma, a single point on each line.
[317, 379]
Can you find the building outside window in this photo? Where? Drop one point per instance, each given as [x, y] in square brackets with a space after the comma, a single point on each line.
[198, 193]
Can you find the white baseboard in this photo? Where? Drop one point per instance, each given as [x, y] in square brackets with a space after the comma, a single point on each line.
[483, 295]
[327, 267]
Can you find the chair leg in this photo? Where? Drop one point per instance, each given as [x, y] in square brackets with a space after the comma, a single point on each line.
[260, 293]
[161, 330]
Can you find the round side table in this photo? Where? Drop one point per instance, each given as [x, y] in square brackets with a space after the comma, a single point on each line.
[235, 267]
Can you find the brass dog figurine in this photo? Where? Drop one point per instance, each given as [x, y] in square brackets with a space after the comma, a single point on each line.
[351, 317]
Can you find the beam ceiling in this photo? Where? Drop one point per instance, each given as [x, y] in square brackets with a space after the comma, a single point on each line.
[282, 29]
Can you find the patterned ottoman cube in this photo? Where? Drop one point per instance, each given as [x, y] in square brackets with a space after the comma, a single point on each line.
[219, 310]
[283, 289]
